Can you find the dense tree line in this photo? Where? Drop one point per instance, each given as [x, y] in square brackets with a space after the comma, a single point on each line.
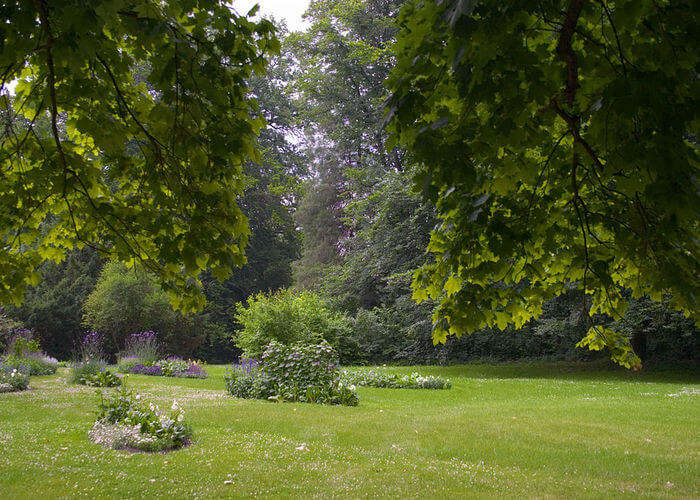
[407, 155]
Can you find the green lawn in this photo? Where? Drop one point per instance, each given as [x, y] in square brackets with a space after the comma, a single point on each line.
[534, 430]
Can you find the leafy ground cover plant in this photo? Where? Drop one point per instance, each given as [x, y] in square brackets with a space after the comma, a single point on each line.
[305, 373]
[126, 422]
[378, 378]
[12, 379]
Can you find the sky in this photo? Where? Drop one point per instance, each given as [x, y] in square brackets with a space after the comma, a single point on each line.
[289, 10]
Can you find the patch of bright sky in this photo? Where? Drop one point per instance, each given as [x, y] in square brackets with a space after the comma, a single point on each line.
[289, 10]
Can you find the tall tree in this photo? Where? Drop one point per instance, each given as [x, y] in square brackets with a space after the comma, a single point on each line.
[344, 58]
[271, 196]
[141, 169]
[558, 140]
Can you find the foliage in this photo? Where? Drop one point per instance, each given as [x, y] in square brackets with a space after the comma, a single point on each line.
[103, 379]
[306, 373]
[343, 59]
[8, 328]
[53, 308]
[128, 301]
[81, 371]
[659, 333]
[142, 346]
[289, 317]
[33, 363]
[128, 128]
[557, 142]
[178, 367]
[172, 366]
[273, 185]
[126, 364]
[93, 373]
[246, 380]
[23, 343]
[125, 422]
[12, 379]
[91, 347]
[379, 378]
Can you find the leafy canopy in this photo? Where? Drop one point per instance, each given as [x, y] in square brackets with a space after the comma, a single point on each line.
[558, 143]
[127, 131]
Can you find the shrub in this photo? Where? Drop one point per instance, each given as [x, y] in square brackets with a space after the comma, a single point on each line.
[290, 318]
[12, 379]
[102, 379]
[24, 354]
[23, 343]
[93, 373]
[127, 301]
[377, 378]
[126, 422]
[306, 373]
[34, 363]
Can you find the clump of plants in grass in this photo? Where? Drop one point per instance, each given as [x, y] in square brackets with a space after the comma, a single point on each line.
[13, 379]
[93, 373]
[172, 366]
[24, 353]
[126, 422]
[142, 357]
[305, 373]
[378, 378]
[92, 370]
[143, 346]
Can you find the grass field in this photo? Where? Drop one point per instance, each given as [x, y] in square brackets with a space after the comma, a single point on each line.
[507, 430]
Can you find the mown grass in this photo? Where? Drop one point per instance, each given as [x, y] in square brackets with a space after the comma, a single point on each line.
[556, 430]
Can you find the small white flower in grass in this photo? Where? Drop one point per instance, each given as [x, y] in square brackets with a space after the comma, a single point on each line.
[302, 447]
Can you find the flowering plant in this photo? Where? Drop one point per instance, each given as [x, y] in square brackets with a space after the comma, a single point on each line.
[35, 363]
[168, 367]
[126, 364]
[91, 346]
[13, 379]
[307, 373]
[378, 378]
[125, 421]
[144, 346]
[93, 373]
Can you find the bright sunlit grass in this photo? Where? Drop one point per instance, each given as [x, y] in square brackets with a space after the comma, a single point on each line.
[533, 430]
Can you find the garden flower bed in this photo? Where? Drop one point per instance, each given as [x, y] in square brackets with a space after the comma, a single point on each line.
[126, 422]
[382, 379]
[292, 373]
[168, 367]
[12, 379]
